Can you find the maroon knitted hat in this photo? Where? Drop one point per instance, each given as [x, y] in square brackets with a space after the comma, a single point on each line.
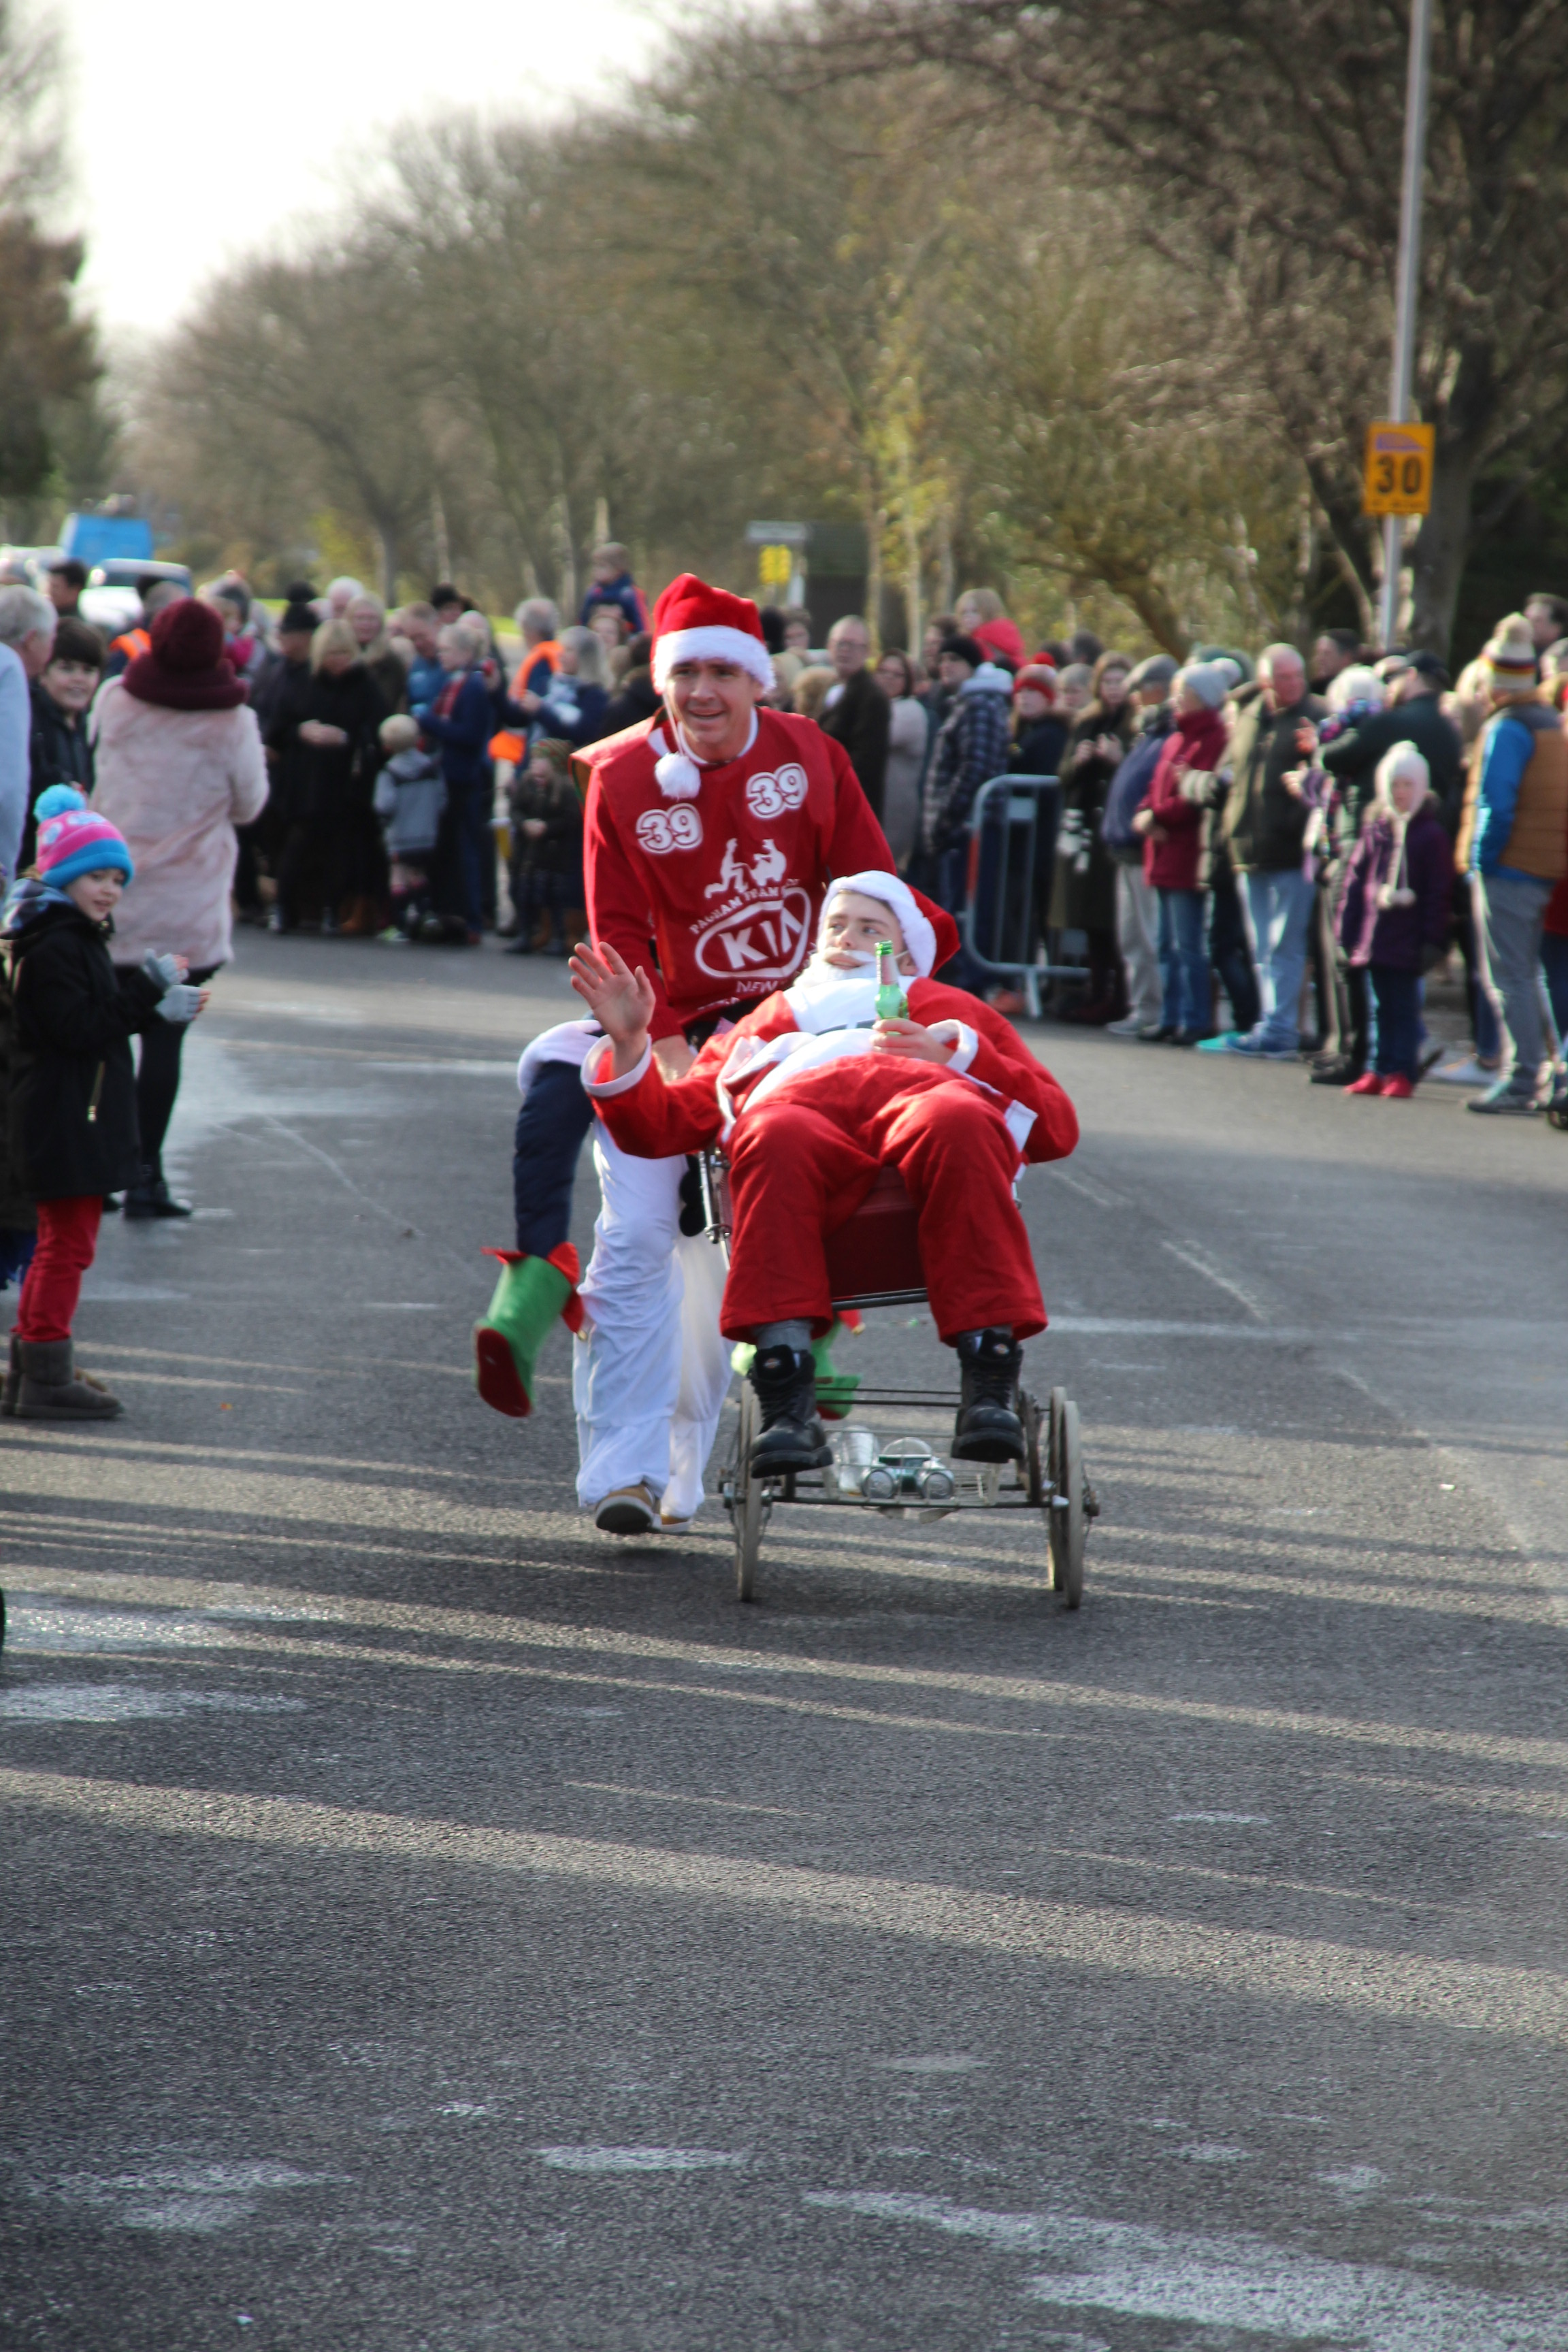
[187, 670]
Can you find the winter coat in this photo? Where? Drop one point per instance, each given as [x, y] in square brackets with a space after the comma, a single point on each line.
[1038, 751]
[410, 799]
[623, 590]
[908, 747]
[1515, 814]
[573, 711]
[285, 705]
[1196, 743]
[59, 752]
[638, 698]
[1084, 894]
[856, 714]
[330, 782]
[176, 782]
[970, 749]
[1352, 759]
[1265, 824]
[559, 849]
[73, 1087]
[1413, 856]
[1130, 786]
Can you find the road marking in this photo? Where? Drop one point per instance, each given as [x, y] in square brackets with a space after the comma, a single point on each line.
[637, 2159]
[1201, 1263]
[1233, 2280]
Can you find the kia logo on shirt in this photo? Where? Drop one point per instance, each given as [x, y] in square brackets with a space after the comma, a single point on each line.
[763, 940]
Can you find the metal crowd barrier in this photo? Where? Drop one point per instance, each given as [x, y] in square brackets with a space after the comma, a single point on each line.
[1013, 829]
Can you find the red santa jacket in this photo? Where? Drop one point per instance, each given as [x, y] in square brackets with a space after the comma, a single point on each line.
[655, 1117]
[726, 887]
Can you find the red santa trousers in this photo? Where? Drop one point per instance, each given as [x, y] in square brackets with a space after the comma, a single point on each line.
[68, 1236]
[803, 1161]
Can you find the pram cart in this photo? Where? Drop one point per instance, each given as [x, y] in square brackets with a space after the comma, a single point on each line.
[873, 1260]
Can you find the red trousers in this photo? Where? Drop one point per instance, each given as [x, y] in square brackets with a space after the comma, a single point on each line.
[68, 1236]
[804, 1160]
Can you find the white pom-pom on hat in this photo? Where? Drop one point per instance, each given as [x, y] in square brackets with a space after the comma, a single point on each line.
[678, 778]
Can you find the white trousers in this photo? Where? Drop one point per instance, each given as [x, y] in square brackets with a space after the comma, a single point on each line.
[650, 1375]
[1137, 928]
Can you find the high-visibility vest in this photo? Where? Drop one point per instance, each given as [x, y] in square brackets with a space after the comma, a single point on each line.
[134, 641]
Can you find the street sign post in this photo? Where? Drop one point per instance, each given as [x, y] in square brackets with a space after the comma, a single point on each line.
[1398, 478]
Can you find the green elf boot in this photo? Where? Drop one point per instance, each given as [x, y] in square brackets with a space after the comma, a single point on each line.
[530, 1294]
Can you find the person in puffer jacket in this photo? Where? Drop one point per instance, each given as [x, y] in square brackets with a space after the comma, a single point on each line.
[73, 1090]
[1393, 917]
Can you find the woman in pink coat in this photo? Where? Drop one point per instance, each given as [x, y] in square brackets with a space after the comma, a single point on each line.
[1170, 821]
[179, 765]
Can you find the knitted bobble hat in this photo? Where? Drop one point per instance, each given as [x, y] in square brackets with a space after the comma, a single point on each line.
[78, 840]
[1509, 656]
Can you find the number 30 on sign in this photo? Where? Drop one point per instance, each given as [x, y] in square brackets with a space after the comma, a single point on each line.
[1398, 476]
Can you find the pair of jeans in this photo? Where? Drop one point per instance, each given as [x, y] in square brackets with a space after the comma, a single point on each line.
[949, 889]
[1398, 995]
[1183, 961]
[68, 1237]
[1508, 912]
[1279, 908]
[1554, 963]
[467, 842]
[1229, 953]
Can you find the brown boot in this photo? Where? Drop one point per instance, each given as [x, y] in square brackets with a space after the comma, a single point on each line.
[359, 922]
[51, 1390]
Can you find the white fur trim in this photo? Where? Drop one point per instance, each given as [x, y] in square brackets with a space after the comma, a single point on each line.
[713, 644]
[678, 778]
[1018, 1119]
[570, 1041]
[965, 1050]
[920, 935]
[602, 1088]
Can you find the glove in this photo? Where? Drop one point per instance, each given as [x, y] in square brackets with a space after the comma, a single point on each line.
[179, 1004]
[164, 970]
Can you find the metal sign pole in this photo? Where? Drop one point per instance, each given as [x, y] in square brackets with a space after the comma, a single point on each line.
[1405, 286]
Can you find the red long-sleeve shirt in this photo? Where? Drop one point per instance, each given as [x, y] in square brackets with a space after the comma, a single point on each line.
[724, 889]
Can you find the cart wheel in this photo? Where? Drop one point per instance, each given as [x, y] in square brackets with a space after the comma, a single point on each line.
[748, 1499]
[1055, 1410]
[1067, 1523]
[1033, 1468]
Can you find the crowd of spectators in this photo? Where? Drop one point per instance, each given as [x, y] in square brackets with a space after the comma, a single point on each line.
[1243, 852]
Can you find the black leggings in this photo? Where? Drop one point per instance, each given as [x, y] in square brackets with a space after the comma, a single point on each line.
[158, 1080]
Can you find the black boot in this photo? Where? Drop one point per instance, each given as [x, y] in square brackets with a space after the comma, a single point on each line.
[149, 1197]
[988, 1428]
[792, 1437]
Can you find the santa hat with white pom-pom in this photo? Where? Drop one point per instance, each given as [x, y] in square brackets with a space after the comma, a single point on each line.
[693, 621]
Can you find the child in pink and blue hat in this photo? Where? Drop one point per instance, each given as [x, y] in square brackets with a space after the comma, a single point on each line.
[73, 1090]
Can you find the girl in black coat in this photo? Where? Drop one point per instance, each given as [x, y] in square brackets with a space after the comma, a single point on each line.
[73, 1089]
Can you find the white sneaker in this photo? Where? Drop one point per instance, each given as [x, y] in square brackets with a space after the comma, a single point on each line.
[1467, 1072]
[1128, 1027]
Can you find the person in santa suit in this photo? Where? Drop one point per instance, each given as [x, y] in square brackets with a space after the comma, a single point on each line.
[811, 1094]
[711, 833]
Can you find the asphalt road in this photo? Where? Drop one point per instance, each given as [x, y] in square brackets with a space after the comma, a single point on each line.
[430, 1925]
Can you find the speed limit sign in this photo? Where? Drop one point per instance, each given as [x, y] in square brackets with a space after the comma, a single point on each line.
[1397, 479]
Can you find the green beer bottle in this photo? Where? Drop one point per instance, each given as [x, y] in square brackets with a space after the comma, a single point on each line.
[892, 1004]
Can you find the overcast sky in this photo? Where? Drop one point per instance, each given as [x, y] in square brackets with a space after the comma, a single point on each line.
[196, 128]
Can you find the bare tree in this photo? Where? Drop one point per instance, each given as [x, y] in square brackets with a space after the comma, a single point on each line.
[1262, 144]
